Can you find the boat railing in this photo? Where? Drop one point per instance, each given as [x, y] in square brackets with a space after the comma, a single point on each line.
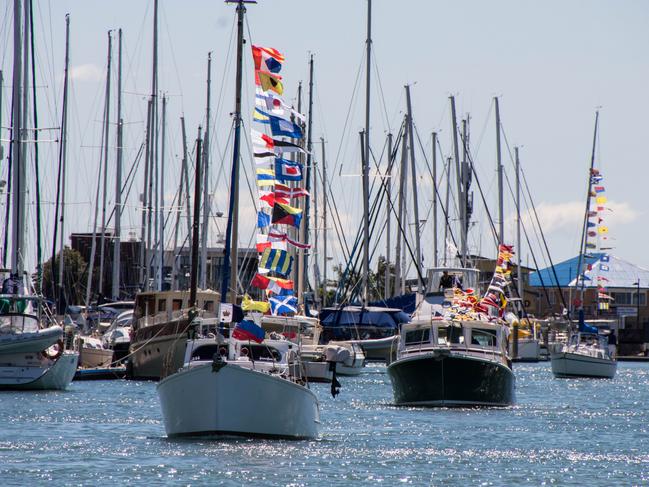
[18, 323]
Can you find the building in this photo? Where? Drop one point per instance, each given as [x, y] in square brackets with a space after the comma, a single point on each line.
[624, 300]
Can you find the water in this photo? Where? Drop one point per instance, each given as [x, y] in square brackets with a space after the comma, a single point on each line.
[561, 432]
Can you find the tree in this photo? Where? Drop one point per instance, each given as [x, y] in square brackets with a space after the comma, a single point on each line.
[74, 267]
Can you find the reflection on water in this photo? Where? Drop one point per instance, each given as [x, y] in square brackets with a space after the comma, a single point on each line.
[564, 432]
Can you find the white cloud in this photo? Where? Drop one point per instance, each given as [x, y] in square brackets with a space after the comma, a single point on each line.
[86, 72]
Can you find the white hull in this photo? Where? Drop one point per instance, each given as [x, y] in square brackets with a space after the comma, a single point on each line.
[529, 350]
[93, 358]
[235, 401]
[32, 372]
[381, 349]
[317, 371]
[567, 364]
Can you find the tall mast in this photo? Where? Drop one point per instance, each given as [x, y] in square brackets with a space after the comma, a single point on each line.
[230, 270]
[435, 253]
[366, 161]
[518, 224]
[446, 203]
[582, 248]
[388, 190]
[501, 218]
[309, 159]
[161, 217]
[118, 176]
[144, 251]
[178, 210]
[460, 186]
[63, 158]
[105, 190]
[17, 234]
[324, 224]
[197, 212]
[206, 176]
[403, 175]
[420, 282]
[185, 169]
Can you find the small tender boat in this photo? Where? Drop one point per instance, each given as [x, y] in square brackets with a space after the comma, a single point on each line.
[237, 388]
[585, 355]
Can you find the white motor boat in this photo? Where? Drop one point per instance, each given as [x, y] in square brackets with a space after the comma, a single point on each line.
[352, 362]
[93, 353]
[237, 388]
[32, 357]
[585, 355]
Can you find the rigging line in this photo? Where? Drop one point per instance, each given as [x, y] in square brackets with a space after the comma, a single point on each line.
[484, 128]
[529, 244]
[377, 73]
[173, 57]
[539, 226]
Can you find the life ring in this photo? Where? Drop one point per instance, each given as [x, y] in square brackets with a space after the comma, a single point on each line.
[59, 351]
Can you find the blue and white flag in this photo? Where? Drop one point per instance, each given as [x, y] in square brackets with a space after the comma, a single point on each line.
[283, 305]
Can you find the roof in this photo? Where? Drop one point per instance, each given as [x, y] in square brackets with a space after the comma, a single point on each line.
[615, 273]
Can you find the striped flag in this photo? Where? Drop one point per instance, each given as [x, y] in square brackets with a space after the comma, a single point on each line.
[283, 191]
[277, 261]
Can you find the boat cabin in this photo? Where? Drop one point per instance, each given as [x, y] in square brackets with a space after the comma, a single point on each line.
[304, 329]
[440, 278]
[593, 344]
[20, 314]
[155, 307]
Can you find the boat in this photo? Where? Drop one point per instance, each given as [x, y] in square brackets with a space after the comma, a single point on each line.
[33, 357]
[118, 336]
[93, 353]
[160, 326]
[585, 355]
[219, 390]
[454, 354]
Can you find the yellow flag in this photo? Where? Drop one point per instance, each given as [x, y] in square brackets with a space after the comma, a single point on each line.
[601, 200]
[249, 305]
[602, 229]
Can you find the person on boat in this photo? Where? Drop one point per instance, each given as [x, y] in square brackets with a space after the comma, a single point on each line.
[12, 284]
[457, 281]
[446, 281]
[612, 344]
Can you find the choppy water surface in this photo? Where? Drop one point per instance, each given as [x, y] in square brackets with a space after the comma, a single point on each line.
[561, 432]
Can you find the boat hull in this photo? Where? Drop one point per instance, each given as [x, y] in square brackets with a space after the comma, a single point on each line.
[379, 349]
[95, 357]
[150, 359]
[234, 401]
[30, 342]
[449, 380]
[567, 364]
[529, 350]
[34, 376]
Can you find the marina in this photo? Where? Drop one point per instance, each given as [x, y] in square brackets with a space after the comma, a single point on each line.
[579, 432]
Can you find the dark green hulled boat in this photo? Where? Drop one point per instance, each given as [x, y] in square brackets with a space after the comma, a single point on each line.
[452, 363]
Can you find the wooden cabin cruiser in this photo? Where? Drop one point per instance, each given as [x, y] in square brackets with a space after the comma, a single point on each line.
[585, 355]
[160, 327]
[31, 356]
[229, 387]
[444, 362]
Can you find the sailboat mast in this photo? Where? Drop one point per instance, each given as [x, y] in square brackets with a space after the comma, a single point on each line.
[435, 256]
[388, 219]
[161, 217]
[309, 160]
[518, 224]
[144, 199]
[63, 158]
[582, 248]
[206, 176]
[460, 186]
[403, 174]
[17, 229]
[366, 160]
[197, 211]
[420, 282]
[118, 176]
[102, 246]
[446, 204]
[231, 235]
[324, 224]
[501, 218]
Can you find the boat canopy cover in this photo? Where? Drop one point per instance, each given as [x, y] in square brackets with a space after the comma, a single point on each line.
[586, 328]
[357, 316]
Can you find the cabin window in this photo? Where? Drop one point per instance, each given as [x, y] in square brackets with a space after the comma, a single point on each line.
[177, 304]
[418, 336]
[483, 338]
[450, 334]
[208, 306]
[162, 305]
[263, 352]
[206, 352]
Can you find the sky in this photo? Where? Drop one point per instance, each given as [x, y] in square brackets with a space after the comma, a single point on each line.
[552, 64]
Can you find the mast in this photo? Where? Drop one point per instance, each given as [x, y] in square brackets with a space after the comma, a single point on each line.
[309, 159]
[324, 224]
[231, 235]
[582, 248]
[420, 282]
[460, 186]
[518, 224]
[197, 212]
[105, 186]
[161, 218]
[366, 161]
[435, 256]
[63, 160]
[17, 229]
[388, 190]
[206, 176]
[178, 210]
[144, 264]
[117, 252]
[501, 218]
[403, 175]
